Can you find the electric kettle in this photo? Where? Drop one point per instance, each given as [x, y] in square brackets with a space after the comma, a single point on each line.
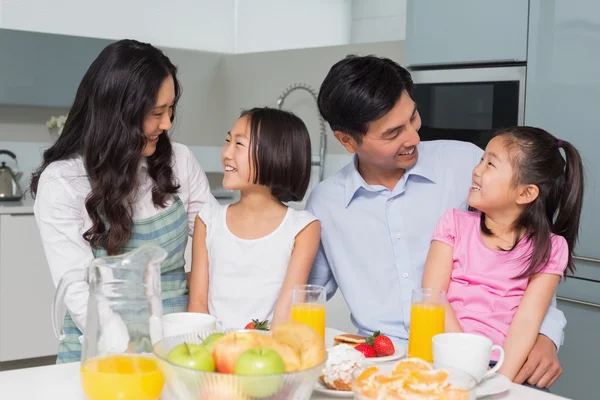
[9, 180]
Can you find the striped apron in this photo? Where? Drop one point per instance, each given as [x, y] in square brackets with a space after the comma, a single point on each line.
[169, 230]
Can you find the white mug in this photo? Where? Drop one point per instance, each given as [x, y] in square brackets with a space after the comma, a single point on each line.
[467, 352]
[176, 324]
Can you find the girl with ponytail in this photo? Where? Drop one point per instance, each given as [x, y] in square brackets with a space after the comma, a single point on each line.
[501, 262]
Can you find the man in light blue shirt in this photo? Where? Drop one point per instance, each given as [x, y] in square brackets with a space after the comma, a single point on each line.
[378, 213]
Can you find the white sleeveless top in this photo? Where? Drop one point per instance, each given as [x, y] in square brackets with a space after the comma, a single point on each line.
[245, 276]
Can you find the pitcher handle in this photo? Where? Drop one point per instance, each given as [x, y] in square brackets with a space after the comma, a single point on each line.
[59, 308]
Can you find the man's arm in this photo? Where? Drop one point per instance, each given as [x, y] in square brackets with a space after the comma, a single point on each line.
[321, 274]
[554, 324]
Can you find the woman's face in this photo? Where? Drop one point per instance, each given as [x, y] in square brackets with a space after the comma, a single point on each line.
[158, 119]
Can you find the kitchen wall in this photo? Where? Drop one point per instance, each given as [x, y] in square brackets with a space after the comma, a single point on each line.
[216, 88]
[259, 79]
[378, 20]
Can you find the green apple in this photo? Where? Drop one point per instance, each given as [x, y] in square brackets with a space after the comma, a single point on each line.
[256, 362]
[210, 341]
[194, 356]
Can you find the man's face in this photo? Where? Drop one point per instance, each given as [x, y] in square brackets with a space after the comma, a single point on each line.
[391, 141]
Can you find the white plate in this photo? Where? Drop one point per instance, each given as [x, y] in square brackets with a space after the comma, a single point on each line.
[330, 333]
[400, 352]
[498, 383]
[319, 387]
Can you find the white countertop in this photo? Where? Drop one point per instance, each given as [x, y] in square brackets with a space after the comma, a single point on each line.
[25, 206]
[61, 382]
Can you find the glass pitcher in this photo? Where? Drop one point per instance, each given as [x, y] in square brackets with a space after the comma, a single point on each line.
[123, 323]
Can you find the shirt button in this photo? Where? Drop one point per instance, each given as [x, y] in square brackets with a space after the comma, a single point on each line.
[398, 236]
[405, 275]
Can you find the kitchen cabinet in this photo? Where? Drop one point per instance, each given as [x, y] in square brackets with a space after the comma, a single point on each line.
[579, 355]
[563, 87]
[26, 291]
[41, 69]
[465, 31]
[562, 94]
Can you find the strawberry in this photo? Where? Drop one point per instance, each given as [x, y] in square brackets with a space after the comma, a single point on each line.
[258, 325]
[367, 350]
[382, 344]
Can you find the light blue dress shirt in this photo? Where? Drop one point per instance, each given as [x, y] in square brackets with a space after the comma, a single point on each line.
[374, 241]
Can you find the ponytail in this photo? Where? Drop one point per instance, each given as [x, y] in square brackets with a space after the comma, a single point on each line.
[571, 200]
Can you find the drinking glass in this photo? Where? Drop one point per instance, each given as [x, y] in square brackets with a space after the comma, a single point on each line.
[308, 306]
[426, 320]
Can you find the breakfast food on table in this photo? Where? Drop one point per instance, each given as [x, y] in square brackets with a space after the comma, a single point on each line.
[411, 378]
[382, 344]
[376, 345]
[306, 341]
[258, 325]
[348, 338]
[297, 345]
[367, 350]
[247, 364]
[342, 362]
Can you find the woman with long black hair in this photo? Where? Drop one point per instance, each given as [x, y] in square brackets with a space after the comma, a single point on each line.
[113, 180]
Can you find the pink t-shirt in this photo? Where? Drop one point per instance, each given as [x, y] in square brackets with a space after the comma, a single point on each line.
[482, 291]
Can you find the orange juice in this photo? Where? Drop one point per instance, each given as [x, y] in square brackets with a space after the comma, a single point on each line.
[426, 321]
[121, 377]
[310, 314]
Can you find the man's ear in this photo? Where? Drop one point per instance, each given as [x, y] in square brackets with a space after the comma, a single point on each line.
[347, 141]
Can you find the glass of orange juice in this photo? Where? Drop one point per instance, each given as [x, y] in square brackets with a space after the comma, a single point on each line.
[427, 316]
[308, 306]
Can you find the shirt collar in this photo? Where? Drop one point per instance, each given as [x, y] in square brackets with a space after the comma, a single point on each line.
[424, 167]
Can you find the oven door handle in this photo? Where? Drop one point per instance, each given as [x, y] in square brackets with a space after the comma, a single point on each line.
[580, 302]
[588, 259]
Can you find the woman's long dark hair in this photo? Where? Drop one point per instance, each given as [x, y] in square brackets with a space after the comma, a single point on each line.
[105, 127]
[536, 157]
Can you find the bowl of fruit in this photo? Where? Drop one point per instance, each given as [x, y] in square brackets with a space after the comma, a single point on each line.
[284, 363]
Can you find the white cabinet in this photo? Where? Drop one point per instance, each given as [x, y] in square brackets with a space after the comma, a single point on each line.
[26, 291]
[465, 31]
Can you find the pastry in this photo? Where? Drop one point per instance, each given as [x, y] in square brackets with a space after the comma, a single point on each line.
[304, 340]
[348, 338]
[342, 361]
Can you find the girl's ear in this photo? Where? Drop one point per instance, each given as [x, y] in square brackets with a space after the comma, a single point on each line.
[527, 194]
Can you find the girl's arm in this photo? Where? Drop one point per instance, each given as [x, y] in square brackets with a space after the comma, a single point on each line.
[303, 256]
[199, 275]
[438, 269]
[525, 326]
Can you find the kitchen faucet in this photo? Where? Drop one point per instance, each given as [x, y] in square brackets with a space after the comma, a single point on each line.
[323, 137]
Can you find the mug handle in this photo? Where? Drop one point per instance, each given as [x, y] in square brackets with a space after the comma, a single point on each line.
[498, 363]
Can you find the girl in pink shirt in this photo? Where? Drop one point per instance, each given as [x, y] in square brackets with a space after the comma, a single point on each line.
[502, 264]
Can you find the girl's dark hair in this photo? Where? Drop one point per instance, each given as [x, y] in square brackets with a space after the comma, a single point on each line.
[359, 90]
[537, 160]
[281, 152]
[105, 128]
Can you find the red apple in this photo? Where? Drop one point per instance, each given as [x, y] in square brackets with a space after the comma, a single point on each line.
[227, 350]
